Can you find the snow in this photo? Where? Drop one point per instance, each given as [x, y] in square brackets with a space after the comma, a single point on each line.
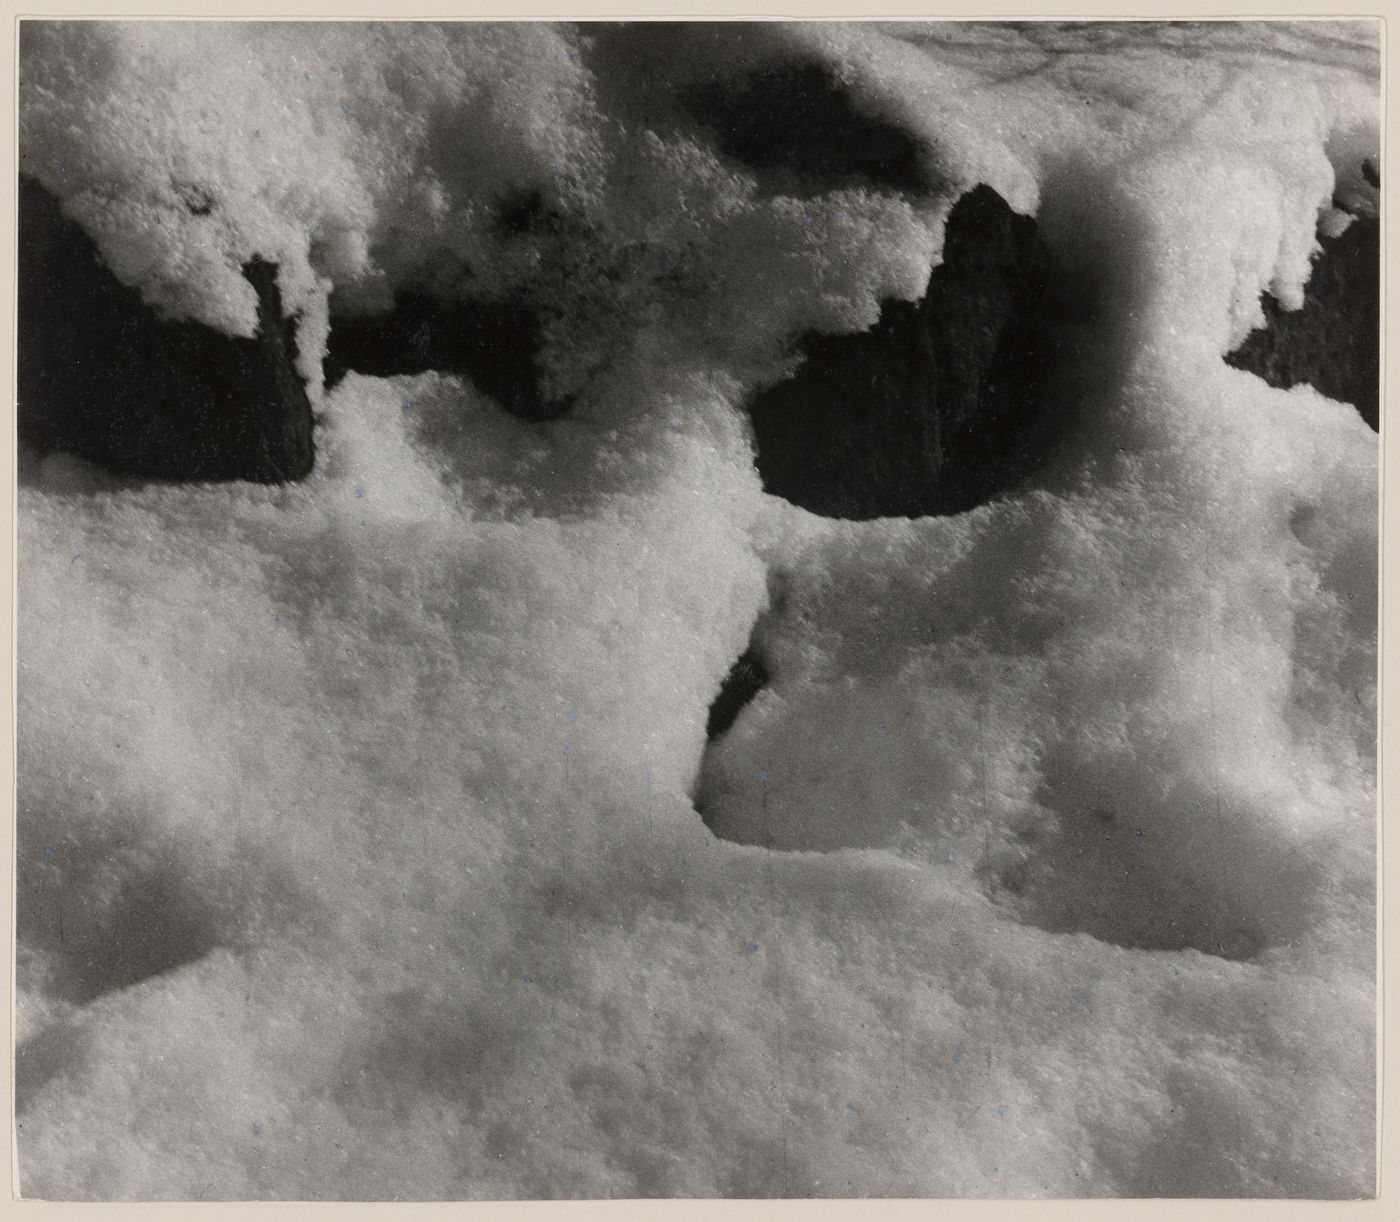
[359, 847]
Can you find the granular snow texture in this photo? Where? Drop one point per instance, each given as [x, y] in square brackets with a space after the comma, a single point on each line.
[369, 842]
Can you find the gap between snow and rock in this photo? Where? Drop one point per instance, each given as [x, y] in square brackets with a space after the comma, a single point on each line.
[746, 678]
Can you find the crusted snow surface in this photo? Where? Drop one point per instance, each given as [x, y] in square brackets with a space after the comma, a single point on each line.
[369, 845]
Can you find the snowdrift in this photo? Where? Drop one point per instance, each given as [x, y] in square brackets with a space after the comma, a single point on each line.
[370, 841]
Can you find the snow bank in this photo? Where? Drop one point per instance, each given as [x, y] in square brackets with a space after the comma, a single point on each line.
[367, 157]
[359, 844]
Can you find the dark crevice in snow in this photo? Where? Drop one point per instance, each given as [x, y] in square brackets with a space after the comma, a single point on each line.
[1370, 173]
[494, 344]
[103, 376]
[746, 678]
[939, 407]
[802, 118]
[1333, 342]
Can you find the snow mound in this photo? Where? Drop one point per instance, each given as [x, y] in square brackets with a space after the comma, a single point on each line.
[363, 839]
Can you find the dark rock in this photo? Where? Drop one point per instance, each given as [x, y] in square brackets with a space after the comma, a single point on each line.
[1334, 342]
[495, 344]
[938, 407]
[101, 375]
[801, 118]
[747, 677]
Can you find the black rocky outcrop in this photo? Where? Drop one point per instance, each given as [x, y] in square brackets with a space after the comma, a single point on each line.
[803, 119]
[939, 406]
[103, 376]
[1334, 342]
